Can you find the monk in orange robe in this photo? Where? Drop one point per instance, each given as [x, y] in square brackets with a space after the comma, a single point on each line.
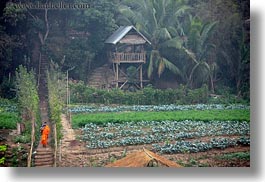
[44, 136]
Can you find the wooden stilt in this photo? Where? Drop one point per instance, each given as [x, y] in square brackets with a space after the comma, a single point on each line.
[141, 76]
[117, 75]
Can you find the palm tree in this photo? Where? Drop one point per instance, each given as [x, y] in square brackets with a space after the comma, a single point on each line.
[198, 48]
[159, 21]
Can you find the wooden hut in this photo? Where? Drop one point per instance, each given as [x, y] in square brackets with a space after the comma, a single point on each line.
[126, 48]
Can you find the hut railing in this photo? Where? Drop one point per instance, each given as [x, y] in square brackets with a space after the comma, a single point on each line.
[118, 57]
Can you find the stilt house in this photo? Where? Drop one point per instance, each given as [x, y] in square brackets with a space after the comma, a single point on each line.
[126, 52]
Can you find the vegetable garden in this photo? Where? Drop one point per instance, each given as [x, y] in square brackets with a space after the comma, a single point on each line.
[165, 129]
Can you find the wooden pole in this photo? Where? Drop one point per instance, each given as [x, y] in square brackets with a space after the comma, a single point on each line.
[55, 145]
[67, 92]
[117, 75]
[32, 141]
[60, 152]
[18, 129]
[70, 120]
[141, 76]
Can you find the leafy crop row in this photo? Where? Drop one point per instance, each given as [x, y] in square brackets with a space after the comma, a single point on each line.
[198, 146]
[80, 120]
[172, 107]
[150, 132]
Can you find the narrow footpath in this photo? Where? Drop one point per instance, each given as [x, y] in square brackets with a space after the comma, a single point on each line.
[70, 150]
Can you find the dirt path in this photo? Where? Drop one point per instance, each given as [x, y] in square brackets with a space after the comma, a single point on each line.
[68, 147]
[68, 132]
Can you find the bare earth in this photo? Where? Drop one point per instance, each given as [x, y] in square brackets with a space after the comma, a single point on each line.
[73, 153]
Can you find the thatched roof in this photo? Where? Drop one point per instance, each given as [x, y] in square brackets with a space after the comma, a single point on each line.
[143, 158]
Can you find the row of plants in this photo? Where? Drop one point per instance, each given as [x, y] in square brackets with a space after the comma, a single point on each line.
[149, 132]
[56, 90]
[28, 105]
[172, 107]
[198, 146]
[80, 120]
[81, 93]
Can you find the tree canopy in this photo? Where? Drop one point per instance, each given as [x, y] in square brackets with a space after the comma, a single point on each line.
[193, 42]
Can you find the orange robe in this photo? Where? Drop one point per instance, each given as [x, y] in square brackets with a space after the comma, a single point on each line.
[44, 136]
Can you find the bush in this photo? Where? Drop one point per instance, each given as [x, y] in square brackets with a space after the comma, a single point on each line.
[8, 120]
[199, 95]
[82, 94]
[147, 96]
[25, 138]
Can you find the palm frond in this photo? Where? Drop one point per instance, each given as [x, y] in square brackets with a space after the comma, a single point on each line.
[204, 52]
[164, 35]
[173, 31]
[206, 31]
[161, 67]
[153, 59]
[173, 43]
[191, 55]
[173, 68]
[182, 10]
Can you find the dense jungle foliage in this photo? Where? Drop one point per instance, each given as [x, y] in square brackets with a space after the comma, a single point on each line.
[193, 42]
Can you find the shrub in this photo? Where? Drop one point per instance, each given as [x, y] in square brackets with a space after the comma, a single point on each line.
[8, 120]
[81, 93]
[148, 95]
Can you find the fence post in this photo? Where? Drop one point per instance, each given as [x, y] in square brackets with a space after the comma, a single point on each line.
[60, 152]
[32, 141]
[55, 145]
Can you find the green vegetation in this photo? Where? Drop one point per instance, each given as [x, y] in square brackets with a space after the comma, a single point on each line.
[8, 120]
[79, 120]
[2, 160]
[19, 156]
[28, 104]
[193, 42]
[81, 93]
[57, 93]
[199, 54]
[3, 148]
[192, 163]
[28, 98]
[25, 137]
[8, 114]
[168, 136]
[237, 155]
